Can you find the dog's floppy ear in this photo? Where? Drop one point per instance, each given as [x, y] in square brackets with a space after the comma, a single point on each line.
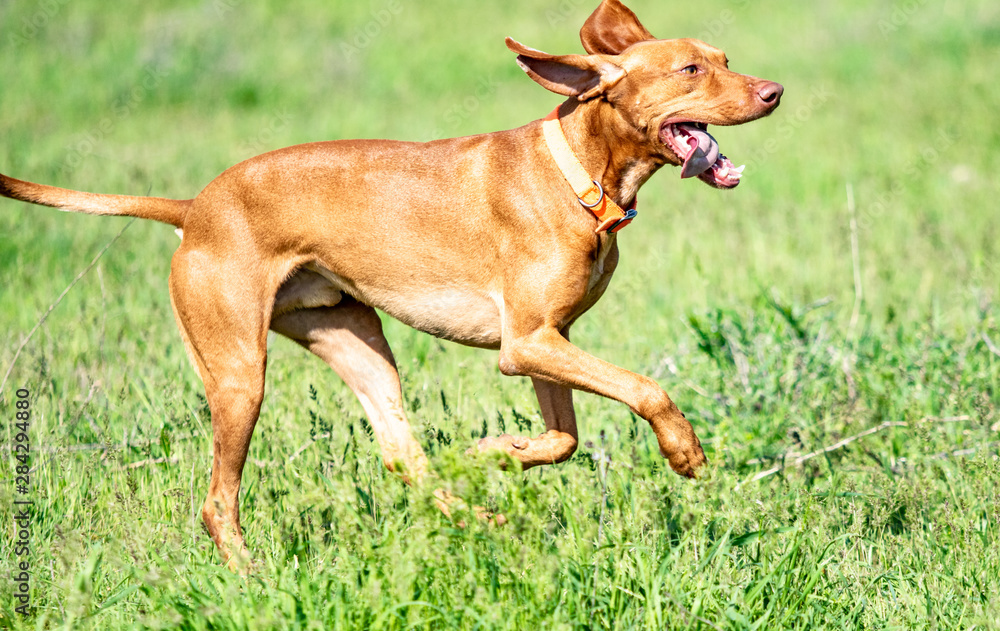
[611, 29]
[582, 76]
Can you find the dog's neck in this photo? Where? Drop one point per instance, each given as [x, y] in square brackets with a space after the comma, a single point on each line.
[611, 150]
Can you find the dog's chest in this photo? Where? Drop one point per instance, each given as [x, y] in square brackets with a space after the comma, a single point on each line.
[601, 270]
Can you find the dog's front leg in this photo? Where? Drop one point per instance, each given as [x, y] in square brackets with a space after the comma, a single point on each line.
[558, 442]
[546, 356]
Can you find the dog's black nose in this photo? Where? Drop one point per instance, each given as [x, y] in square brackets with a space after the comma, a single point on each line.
[770, 93]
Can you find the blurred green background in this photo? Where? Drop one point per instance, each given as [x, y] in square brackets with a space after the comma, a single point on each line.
[741, 304]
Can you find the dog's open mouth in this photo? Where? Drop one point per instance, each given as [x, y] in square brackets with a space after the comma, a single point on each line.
[699, 153]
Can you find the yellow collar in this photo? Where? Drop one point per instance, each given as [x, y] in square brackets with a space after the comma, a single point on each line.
[610, 216]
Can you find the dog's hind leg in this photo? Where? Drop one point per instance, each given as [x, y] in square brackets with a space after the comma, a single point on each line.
[349, 338]
[222, 307]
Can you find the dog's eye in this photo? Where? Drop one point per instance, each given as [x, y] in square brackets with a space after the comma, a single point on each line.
[690, 70]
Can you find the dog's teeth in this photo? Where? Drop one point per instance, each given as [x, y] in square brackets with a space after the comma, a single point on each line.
[724, 173]
[739, 169]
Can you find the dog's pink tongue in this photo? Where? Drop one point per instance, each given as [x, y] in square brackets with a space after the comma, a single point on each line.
[704, 151]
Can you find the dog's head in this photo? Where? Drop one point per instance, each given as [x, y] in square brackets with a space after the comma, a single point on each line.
[667, 90]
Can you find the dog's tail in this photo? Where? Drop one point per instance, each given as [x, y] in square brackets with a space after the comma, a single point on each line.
[171, 211]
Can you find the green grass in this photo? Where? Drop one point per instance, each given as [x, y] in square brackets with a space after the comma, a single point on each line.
[739, 304]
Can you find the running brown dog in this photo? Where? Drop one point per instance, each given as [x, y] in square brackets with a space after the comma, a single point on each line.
[498, 241]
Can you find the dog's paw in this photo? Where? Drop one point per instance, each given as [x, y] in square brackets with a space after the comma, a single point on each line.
[446, 503]
[505, 442]
[686, 459]
[514, 446]
[240, 562]
[680, 446]
[493, 519]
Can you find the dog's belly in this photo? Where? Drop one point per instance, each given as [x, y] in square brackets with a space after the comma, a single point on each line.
[457, 313]
[460, 316]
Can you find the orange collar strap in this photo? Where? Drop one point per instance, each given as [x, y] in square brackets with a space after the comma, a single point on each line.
[610, 216]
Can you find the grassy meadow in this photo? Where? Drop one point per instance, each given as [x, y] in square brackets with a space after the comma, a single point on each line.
[844, 382]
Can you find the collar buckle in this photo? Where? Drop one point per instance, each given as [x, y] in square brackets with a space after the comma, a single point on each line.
[630, 214]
